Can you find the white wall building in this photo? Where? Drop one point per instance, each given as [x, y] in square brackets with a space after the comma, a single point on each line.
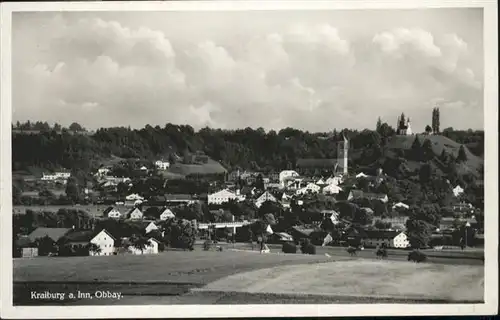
[151, 248]
[162, 165]
[106, 242]
[400, 241]
[224, 196]
[135, 214]
[167, 214]
[150, 227]
[458, 190]
[113, 213]
[266, 196]
[286, 174]
[332, 189]
[133, 197]
[310, 188]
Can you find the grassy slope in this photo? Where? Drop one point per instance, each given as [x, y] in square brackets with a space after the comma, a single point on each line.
[363, 278]
[439, 143]
[195, 266]
[212, 167]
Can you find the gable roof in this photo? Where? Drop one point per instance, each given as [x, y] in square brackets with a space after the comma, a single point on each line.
[108, 209]
[53, 233]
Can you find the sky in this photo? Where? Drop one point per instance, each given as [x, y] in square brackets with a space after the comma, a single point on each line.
[311, 70]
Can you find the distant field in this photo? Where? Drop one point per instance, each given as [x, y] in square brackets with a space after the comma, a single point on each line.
[93, 210]
[212, 167]
[439, 143]
[383, 279]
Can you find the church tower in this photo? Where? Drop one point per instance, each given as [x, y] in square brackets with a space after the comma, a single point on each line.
[408, 128]
[342, 155]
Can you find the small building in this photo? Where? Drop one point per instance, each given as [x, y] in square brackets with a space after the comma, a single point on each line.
[135, 214]
[285, 175]
[266, 196]
[102, 239]
[151, 248]
[112, 212]
[162, 165]
[401, 205]
[224, 196]
[332, 189]
[310, 188]
[359, 194]
[53, 233]
[389, 238]
[150, 227]
[179, 198]
[134, 197]
[458, 190]
[25, 248]
[167, 214]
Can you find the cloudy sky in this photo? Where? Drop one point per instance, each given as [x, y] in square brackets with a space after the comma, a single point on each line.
[313, 70]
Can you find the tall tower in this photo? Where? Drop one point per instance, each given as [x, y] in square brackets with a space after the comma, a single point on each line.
[342, 155]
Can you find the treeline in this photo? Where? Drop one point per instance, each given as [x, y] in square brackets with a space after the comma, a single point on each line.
[252, 149]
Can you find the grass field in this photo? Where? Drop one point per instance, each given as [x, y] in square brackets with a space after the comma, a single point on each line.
[364, 279]
[248, 277]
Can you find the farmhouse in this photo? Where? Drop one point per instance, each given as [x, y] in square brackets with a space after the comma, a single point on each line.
[150, 227]
[266, 196]
[167, 214]
[151, 248]
[224, 196]
[53, 233]
[135, 214]
[112, 212]
[331, 189]
[391, 239]
[82, 240]
[162, 165]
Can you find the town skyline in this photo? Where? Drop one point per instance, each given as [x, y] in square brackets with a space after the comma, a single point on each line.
[314, 71]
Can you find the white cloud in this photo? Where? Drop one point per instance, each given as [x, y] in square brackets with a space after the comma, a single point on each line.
[311, 76]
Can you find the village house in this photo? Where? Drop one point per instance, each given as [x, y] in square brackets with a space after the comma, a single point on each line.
[112, 212]
[458, 190]
[81, 240]
[224, 196]
[389, 238]
[150, 227]
[335, 180]
[162, 165]
[266, 196]
[174, 199]
[151, 248]
[401, 205]
[103, 171]
[167, 214]
[359, 194]
[332, 189]
[135, 214]
[286, 175]
[310, 188]
[56, 176]
[53, 233]
[25, 248]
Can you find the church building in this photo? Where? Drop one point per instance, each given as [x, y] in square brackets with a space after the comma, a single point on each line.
[404, 126]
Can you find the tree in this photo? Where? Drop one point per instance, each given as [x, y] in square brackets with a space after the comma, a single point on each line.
[72, 189]
[379, 224]
[93, 248]
[379, 125]
[76, 127]
[462, 156]
[418, 232]
[259, 182]
[45, 246]
[427, 152]
[428, 129]
[425, 173]
[416, 149]
[140, 242]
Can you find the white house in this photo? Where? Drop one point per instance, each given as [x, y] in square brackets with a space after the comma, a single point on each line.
[167, 214]
[224, 196]
[389, 238]
[334, 180]
[458, 190]
[151, 248]
[150, 227]
[113, 213]
[286, 174]
[400, 241]
[332, 189]
[56, 176]
[106, 243]
[266, 196]
[133, 197]
[101, 172]
[135, 214]
[310, 188]
[162, 165]
[401, 205]
[320, 181]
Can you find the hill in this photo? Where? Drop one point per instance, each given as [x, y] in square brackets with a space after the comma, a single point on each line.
[211, 167]
[472, 165]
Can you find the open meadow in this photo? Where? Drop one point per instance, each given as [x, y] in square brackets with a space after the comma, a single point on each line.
[197, 277]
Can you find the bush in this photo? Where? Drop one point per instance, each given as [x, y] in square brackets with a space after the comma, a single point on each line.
[289, 247]
[207, 245]
[309, 249]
